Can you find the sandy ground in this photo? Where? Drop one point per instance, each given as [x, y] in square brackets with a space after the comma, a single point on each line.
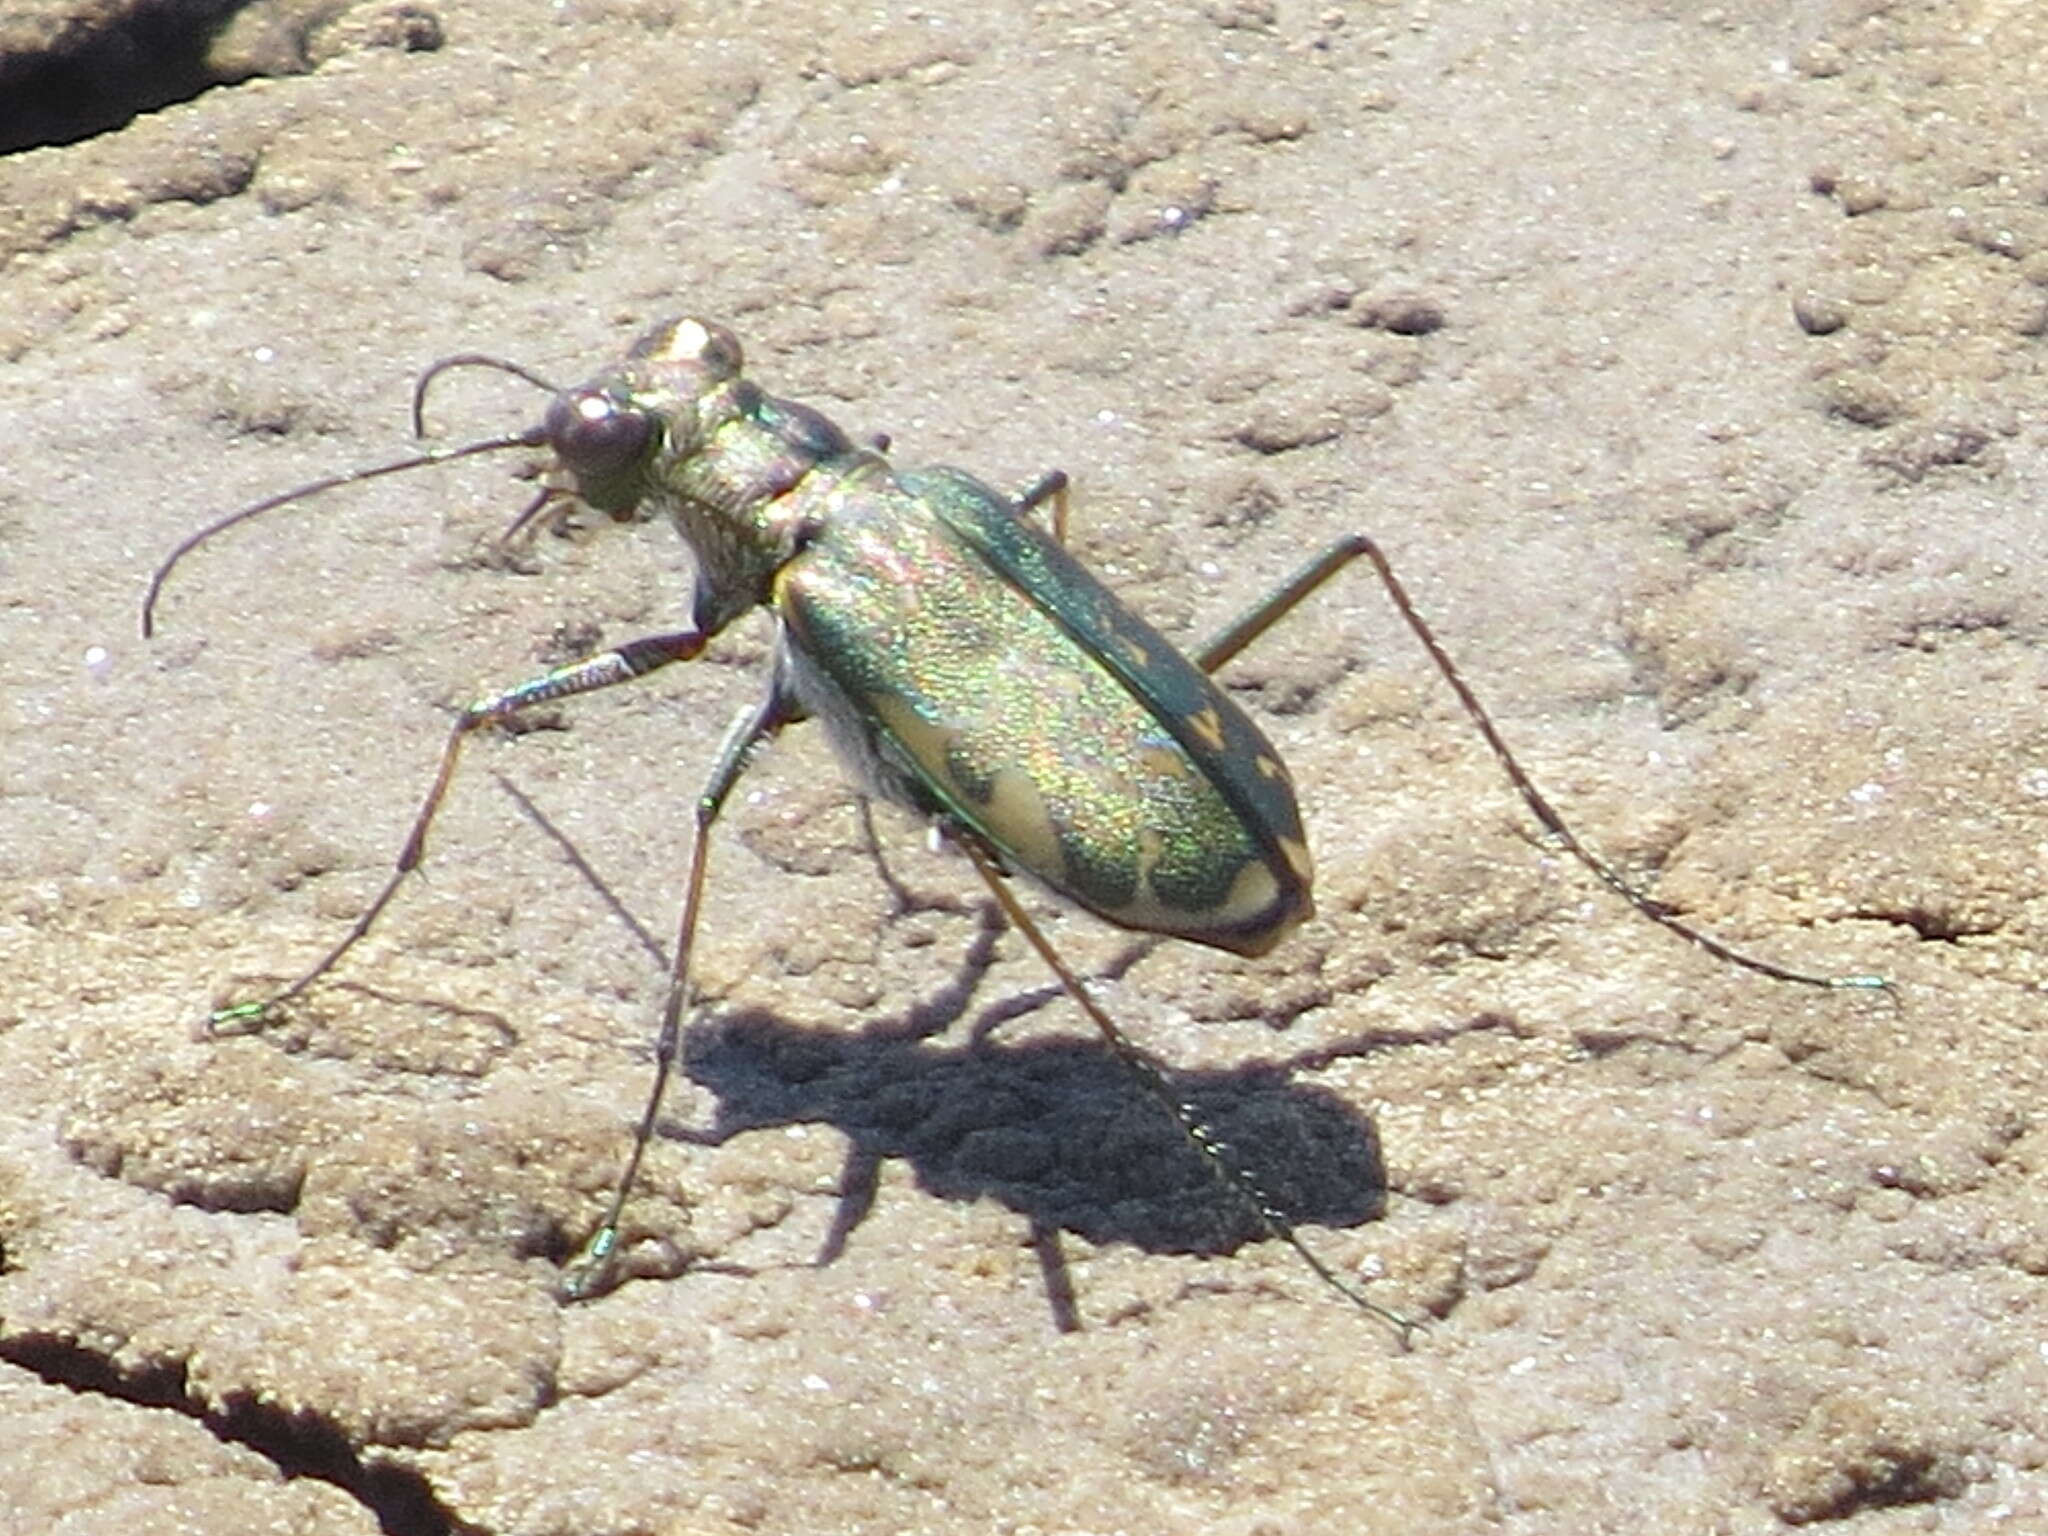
[1722, 475]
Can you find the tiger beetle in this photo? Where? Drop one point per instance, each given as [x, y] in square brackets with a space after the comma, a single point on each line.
[964, 664]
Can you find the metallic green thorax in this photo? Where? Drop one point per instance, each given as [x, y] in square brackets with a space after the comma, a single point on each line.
[963, 661]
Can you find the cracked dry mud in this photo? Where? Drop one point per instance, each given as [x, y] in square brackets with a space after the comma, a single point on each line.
[1687, 361]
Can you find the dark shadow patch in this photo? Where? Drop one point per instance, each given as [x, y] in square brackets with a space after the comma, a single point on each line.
[104, 69]
[109, 63]
[400, 1500]
[1058, 1130]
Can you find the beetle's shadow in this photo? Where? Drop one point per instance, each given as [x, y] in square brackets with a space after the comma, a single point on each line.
[1060, 1131]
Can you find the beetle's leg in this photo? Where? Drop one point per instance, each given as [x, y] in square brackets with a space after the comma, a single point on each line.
[1232, 1175]
[1276, 606]
[636, 658]
[1050, 486]
[905, 899]
[588, 1272]
[1281, 601]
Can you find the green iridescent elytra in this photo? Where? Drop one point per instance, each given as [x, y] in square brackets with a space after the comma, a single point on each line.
[962, 660]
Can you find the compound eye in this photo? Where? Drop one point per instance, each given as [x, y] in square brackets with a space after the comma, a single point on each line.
[594, 433]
